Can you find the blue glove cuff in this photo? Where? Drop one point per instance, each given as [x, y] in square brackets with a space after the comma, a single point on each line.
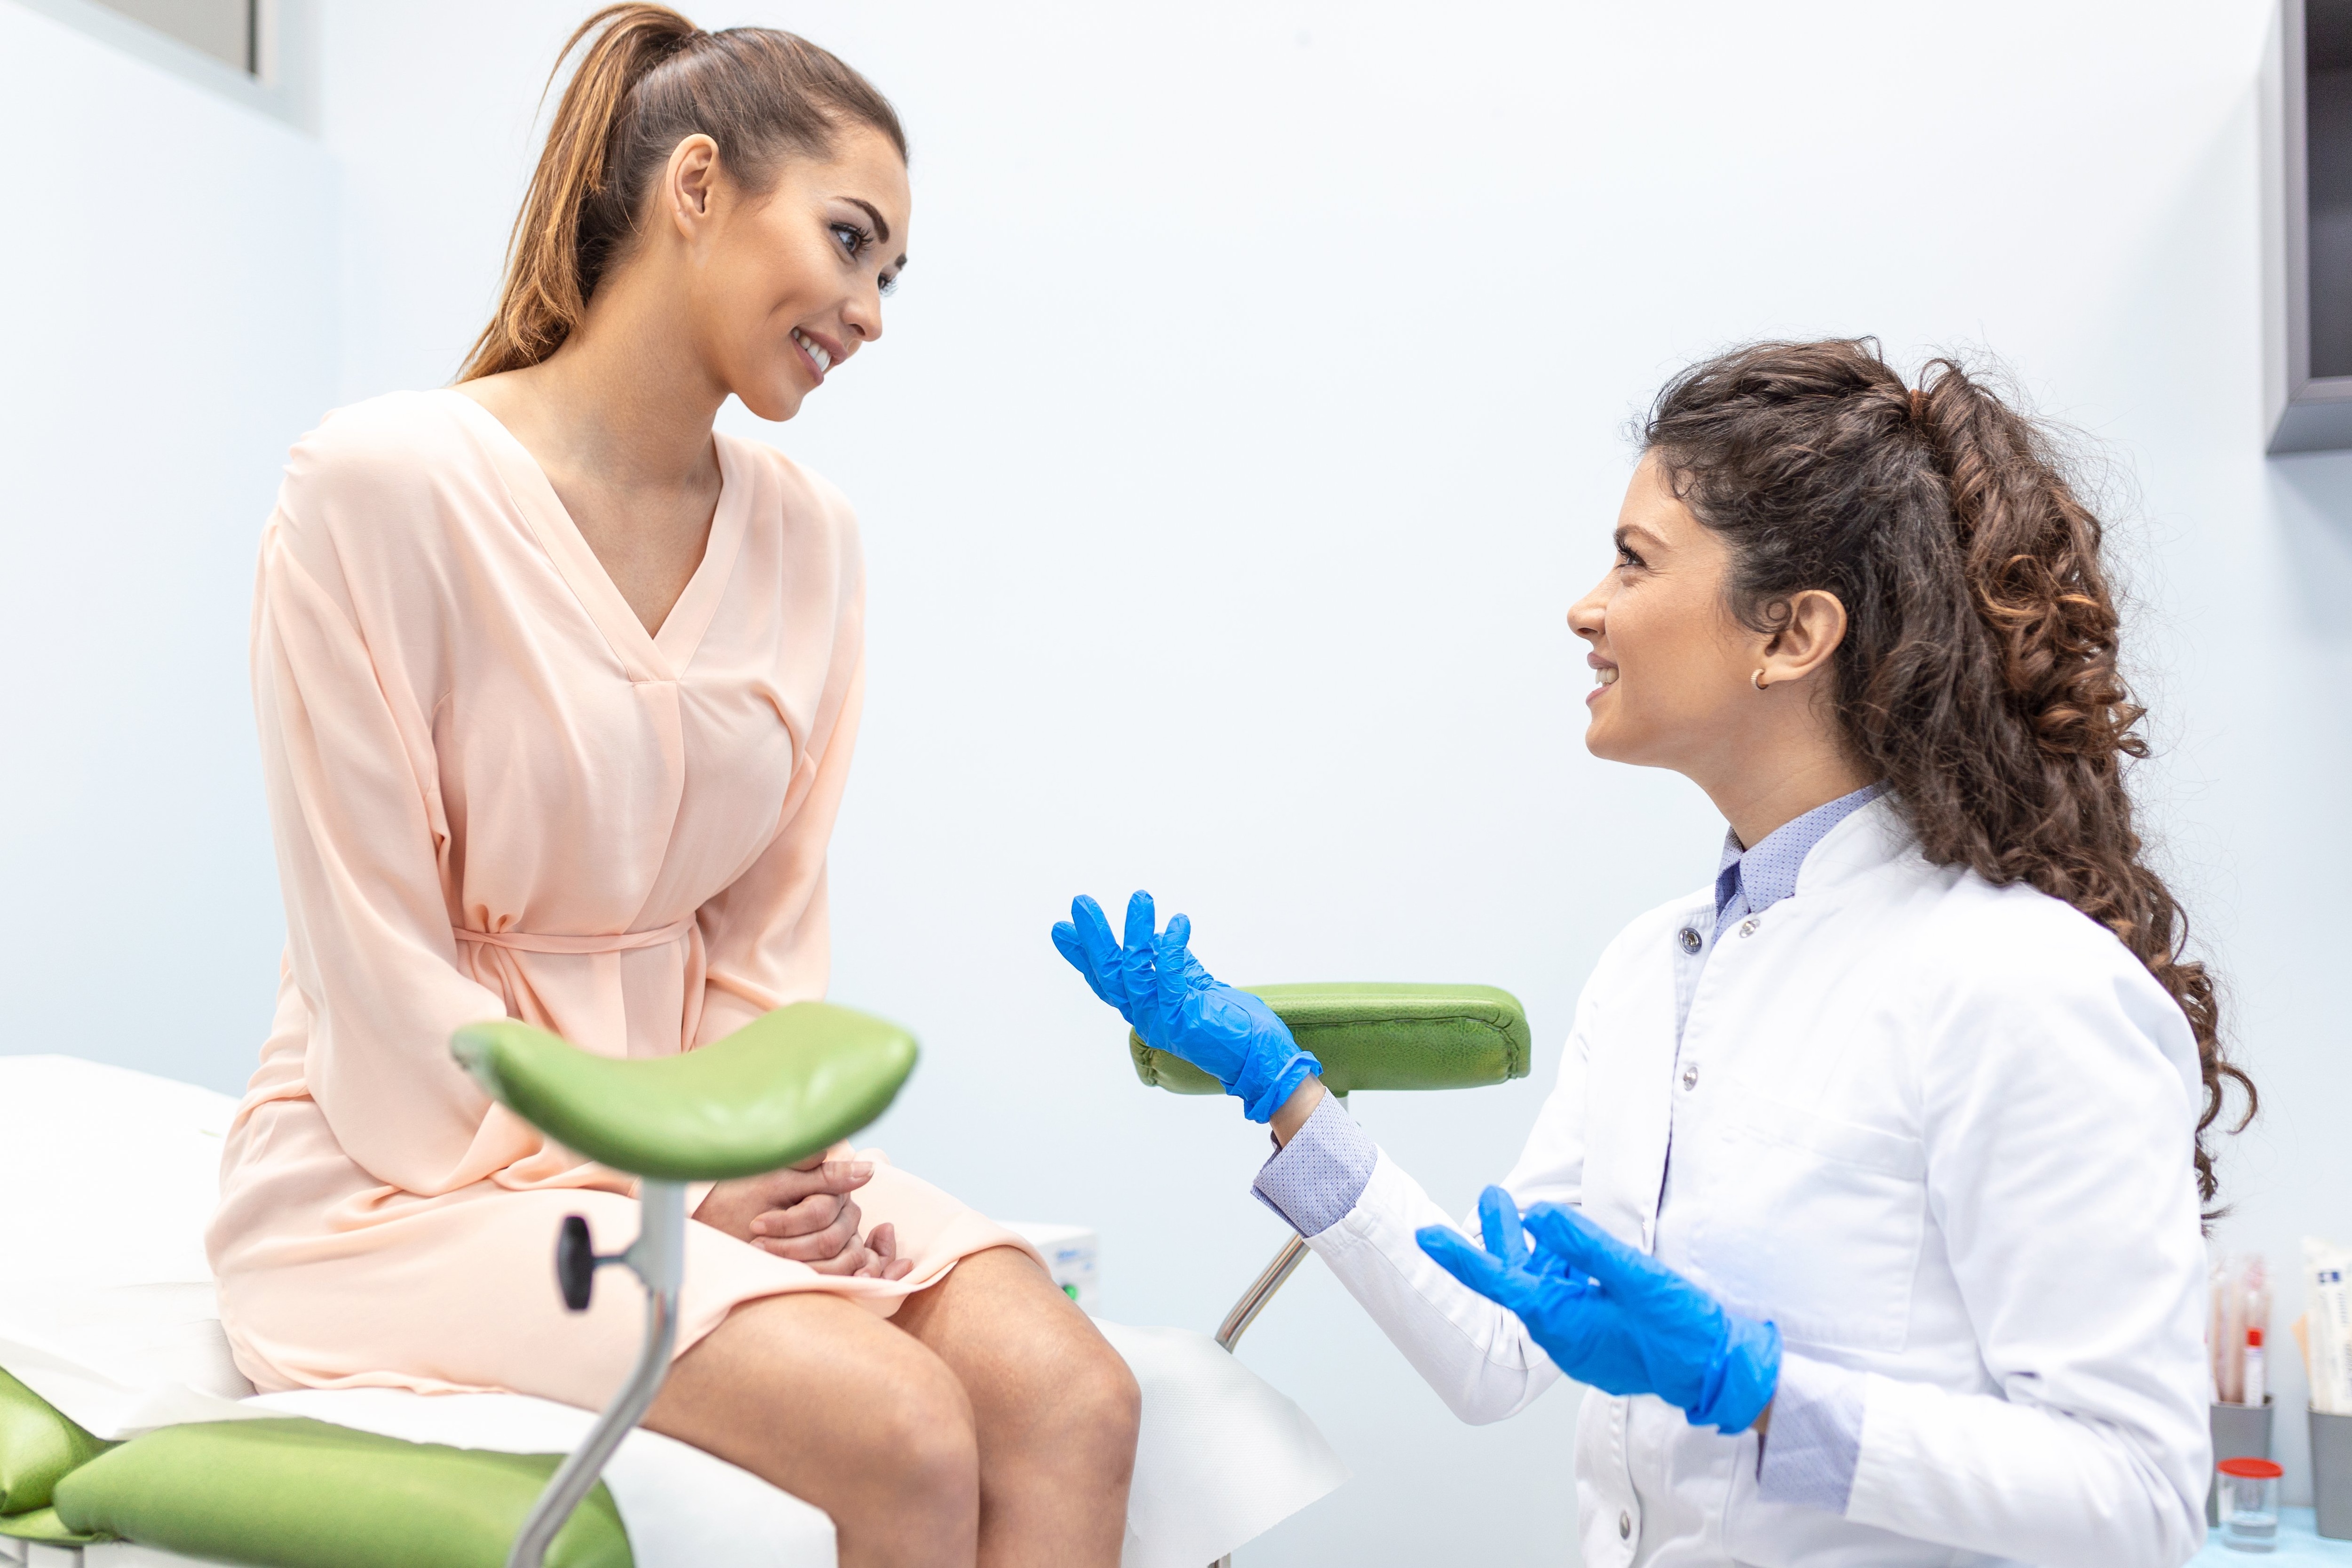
[1260, 1102]
[1741, 1379]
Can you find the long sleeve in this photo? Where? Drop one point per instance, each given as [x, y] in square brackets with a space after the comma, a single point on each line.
[2071, 1222]
[1475, 1354]
[347, 759]
[1315, 1178]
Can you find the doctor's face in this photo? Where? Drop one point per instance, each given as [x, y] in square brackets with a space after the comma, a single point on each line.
[1670, 662]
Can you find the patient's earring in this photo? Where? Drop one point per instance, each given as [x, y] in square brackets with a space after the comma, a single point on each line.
[1756, 681]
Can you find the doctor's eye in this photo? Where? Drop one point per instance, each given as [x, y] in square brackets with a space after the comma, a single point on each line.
[1626, 557]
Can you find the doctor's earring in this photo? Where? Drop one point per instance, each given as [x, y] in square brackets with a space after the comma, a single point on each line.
[1757, 680]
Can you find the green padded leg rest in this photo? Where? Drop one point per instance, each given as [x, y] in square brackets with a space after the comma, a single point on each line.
[1370, 1036]
[295, 1493]
[42, 1524]
[785, 1086]
[39, 1448]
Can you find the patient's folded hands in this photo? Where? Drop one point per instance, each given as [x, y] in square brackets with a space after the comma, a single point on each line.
[805, 1213]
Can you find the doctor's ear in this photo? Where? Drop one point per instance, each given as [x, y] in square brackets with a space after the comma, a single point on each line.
[1812, 625]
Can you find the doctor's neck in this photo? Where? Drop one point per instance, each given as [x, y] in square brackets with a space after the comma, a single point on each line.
[1777, 791]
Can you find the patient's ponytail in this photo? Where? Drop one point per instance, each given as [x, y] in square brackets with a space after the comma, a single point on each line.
[648, 79]
[1979, 672]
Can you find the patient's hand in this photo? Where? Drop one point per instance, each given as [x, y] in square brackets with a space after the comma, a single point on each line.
[805, 1213]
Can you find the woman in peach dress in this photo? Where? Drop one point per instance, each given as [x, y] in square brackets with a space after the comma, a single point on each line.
[557, 690]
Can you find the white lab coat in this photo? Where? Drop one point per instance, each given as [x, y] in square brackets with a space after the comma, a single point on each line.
[1940, 1133]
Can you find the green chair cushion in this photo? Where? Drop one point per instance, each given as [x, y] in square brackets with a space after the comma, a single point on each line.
[38, 1445]
[779, 1088]
[43, 1524]
[295, 1493]
[1370, 1036]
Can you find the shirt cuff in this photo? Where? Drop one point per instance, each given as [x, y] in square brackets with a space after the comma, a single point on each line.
[1315, 1178]
[1815, 1441]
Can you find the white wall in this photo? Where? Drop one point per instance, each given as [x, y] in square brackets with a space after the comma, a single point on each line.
[169, 310]
[1250, 415]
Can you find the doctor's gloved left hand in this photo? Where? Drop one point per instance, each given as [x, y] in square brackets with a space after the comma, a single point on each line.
[1613, 1318]
[1162, 991]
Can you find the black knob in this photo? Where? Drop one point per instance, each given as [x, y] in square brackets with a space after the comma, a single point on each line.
[575, 1262]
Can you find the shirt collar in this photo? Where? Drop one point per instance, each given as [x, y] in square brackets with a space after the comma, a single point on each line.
[1768, 873]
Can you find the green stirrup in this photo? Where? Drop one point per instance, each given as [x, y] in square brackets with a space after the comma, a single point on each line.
[1379, 1035]
[781, 1088]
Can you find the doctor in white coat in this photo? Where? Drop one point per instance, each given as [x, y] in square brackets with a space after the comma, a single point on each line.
[1869, 1196]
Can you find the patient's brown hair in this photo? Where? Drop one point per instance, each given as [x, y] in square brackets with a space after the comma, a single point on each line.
[1979, 675]
[648, 79]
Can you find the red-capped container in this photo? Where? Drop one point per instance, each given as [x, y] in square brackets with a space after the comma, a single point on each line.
[2247, 1491]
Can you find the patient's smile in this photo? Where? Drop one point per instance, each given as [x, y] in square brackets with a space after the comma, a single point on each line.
[815, 351]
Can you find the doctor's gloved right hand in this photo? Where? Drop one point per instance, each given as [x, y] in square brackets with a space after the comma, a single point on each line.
[1613, 1317]
[1165, 994]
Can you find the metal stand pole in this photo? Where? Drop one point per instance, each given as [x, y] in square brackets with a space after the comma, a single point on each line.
[658, 1257]
[1261, 1291]
[1254, 1301]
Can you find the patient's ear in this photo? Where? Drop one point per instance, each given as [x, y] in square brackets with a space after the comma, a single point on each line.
[1815, 626]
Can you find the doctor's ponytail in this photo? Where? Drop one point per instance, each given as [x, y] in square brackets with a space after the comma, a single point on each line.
[1979, 672]
[648, 79]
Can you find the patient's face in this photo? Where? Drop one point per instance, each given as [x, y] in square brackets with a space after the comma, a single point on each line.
[1671, 663]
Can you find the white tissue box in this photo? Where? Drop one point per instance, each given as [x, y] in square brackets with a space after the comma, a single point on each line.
[1071, 1252]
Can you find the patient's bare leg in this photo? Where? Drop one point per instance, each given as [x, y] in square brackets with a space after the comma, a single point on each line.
[833, 1405]
[1054, 1406]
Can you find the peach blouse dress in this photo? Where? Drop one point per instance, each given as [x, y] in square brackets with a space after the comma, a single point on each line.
[494, 794]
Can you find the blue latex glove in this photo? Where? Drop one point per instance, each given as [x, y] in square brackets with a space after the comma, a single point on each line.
[1166, 995]
[1614, 1318]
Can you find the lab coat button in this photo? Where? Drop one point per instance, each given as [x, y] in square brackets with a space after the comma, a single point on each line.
[1747, 926]
[1625, 1527]
[1690, 1077]
[1689, 938]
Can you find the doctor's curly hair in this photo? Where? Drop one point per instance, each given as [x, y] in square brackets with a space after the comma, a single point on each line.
[1978, 673]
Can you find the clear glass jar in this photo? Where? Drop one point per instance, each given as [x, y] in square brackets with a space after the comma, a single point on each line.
[2246, 1497]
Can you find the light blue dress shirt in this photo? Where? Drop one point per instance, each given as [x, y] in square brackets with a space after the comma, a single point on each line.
[1816, 1435]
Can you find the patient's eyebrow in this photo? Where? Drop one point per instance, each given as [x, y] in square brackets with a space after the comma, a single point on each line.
[881, 223]
[881, 227]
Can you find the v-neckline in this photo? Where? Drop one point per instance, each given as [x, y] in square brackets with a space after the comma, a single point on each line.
[662, 655]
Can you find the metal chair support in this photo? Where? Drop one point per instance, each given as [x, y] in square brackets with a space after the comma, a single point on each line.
[1256, 1298]
[658, 1258]
[1261, 1291]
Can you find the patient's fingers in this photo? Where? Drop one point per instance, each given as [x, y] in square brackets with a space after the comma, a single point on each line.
[782, 1189]
[851, 1262]
[843, 1176]
[787, 1235]
[805, 1217]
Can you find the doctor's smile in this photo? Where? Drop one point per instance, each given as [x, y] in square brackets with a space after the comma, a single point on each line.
[1806, 1212]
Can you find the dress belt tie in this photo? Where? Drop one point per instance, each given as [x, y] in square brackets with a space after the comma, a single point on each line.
[620, 941]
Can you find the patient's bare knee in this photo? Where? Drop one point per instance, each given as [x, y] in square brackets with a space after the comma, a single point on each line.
[924, 1446]
[1101, 1409]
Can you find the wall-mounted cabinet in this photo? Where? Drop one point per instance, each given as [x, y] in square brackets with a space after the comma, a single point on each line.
[2311, 370]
